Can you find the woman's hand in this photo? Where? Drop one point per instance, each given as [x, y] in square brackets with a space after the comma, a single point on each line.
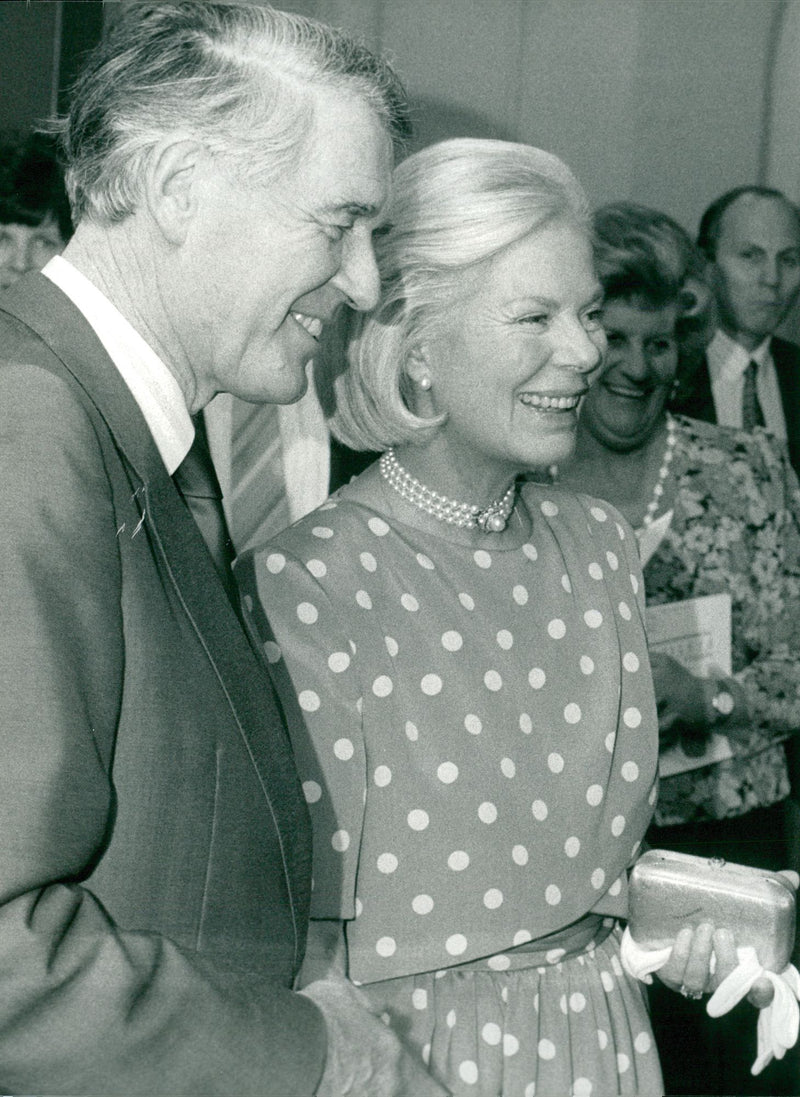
[681, 703]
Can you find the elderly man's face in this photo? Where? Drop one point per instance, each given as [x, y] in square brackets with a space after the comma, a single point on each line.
[758, 267]
[266, 267]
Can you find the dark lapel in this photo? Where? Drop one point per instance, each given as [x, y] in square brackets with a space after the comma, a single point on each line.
[786, 357]
[694, 397]
[243, 676]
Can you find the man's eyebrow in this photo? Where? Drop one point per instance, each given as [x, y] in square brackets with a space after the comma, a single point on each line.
[354, 209]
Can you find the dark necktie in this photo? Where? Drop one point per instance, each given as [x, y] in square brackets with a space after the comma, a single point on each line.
[752, 415]
[197, 482]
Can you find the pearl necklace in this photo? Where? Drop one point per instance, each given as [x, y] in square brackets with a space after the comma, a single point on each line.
[490, 519]
[663, 473]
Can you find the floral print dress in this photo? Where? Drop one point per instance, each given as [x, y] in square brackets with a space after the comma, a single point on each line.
[736, 528]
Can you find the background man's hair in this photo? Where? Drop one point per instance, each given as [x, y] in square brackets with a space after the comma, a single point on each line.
[711, 222]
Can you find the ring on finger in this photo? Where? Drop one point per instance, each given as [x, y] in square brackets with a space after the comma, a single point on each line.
[692, 995]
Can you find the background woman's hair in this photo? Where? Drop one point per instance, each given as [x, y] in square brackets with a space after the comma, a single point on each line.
[32, 182]
[455, 205]
[241, 78]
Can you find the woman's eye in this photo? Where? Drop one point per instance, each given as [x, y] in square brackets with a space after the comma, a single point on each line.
[614, 339]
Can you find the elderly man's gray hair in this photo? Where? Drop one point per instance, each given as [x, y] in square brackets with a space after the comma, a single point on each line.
[239, 77]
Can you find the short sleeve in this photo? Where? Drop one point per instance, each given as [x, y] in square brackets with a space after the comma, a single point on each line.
[315, 665]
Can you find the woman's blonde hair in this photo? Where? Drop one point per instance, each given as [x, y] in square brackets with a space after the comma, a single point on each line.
[455, 205]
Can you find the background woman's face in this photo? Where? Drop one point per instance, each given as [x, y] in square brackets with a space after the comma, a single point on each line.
[516, 352]
[626, 404]
[27, 247]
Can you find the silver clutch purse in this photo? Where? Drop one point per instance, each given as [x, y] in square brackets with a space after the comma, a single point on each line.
[671, 890]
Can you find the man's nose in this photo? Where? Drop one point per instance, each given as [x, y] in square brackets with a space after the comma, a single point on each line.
[358, 276]
[770, 270]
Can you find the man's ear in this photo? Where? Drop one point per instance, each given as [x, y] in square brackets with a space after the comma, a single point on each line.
[172, 185]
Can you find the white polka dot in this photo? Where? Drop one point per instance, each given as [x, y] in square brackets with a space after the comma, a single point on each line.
[272, 651]
[586, 664]
[595, 571]
[624, 611]
[491, 1034]
[530, 1090]
[536, 678]
[507, 767]
[458, 860]
[594, 795]
[343, 749]
[422, 904]
[312, 791]
[450, 1019]
[431, 685]
[386, 946]
[338, 662]
[555, 762]
[492, 681]
[418, 819]
[552, 895]
[412, 731]
[634, 584]
[359, 908]
[577, 1002]
[519, 855]
[556, 628]
[382, 686]
[593, 618]
[510, 1045]
[447, 773]
[307, 613]
[409, 602]
[425, 561]
[598, 514]
[623, 1062]
[383, 776]
[522, 936]
[598, 878]
[317, 568]
[616, 887]
[368, 561]
[642, 1042]
[309, 700]
[363, 599]
[546, 1049]
[504, 639]
[539, 809]
[613, 560]
[617, 825]
[610, 741]
[275, 562]
[572, 713]
[620, 531]
[452, 641]
[493, 898]
[607, 979]
[566, 584]
[525, 722]
[631, 717]
[323, 532]
[630, 771]
[572, 846]
[602, 1035]
[553, 956]
[387, 863]
[468, 1072]
[419, 998]
[651, 796]
[498, 963]
[378, 527]
[456, 944]
[482, 558]
[340, 840]
[530, 551]
[473, 724]
[582, 1087]
[616, 967]
[520, 595]
[466, 601]
[425, 1053]
[487, 812]
[392, 645]
[549, 509]
[630, 661]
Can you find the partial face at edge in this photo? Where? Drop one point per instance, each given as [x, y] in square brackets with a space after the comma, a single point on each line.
[24, 248]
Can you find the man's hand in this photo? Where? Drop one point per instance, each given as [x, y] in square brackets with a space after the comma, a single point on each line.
[364, 1056]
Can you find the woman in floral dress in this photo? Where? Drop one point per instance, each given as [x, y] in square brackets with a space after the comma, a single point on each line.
[716, 510]
[477, 735]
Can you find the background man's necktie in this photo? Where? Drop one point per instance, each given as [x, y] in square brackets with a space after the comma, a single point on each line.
[197, 482]
[752, 415]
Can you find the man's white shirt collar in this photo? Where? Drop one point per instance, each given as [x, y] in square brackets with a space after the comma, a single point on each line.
[728, 358]
[152, 385]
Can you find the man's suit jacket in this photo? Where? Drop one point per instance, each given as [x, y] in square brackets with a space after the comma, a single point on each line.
[695, 396]
[154, 846]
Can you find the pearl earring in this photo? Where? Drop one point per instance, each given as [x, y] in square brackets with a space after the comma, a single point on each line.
[425, 382]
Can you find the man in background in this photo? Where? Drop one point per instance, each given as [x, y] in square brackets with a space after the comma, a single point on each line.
[226, 166]
[750, 377]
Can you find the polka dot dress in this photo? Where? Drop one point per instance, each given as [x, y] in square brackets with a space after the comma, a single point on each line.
[478, 756]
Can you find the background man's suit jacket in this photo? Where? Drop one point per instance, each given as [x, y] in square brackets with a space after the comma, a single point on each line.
[695, 397]
[154, 847]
